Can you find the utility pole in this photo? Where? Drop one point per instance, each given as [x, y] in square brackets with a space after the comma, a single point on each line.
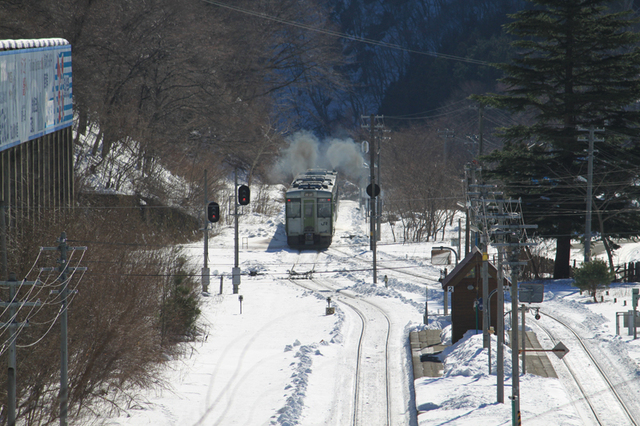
[481, 125]
[63, 270]
[3, 241]
[445, 134]
[505, 224]
[378, 199]
[382, 130]
[470, 180]
[481, 107]
[486, 315]
[205, 269]
[235, 272]
[515, 374]
[500, 317]
[374, 224]
[513, 244]
[486, 219]
[587, 228]
[524, 353]
[13, 325]
[372, 201]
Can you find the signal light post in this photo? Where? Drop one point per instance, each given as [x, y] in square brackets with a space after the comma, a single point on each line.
[208, 213]
[213, 212]
[242, 197]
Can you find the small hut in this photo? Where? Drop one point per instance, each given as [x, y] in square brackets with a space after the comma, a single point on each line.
[465, 284]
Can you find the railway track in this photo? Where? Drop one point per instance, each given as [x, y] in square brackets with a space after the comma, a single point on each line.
[371, 384]
[387, 269]
[603, 397]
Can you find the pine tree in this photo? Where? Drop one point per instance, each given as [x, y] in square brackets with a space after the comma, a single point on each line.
[578, 65]
[593, 276]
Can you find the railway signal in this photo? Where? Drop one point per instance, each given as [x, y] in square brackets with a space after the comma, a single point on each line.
[244, 195]
[373, 190]
[213, 212]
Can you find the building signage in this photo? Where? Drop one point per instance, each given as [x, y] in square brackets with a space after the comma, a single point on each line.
[35, 93]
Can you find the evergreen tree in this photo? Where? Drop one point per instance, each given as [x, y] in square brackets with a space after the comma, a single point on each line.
[578, 65]
[593, 276]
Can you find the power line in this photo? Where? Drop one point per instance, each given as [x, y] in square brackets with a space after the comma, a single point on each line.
[347, 36]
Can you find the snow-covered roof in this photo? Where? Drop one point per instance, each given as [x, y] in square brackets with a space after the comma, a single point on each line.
[32, 43]
[465, 265]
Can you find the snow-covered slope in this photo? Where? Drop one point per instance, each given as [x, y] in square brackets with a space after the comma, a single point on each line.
[282, 361]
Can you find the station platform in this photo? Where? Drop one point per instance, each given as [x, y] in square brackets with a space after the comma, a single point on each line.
[536, 363]
[426, 345]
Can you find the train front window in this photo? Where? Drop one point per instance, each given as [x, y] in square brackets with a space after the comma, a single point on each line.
[308, 209]
[293, 208]
[324, 208]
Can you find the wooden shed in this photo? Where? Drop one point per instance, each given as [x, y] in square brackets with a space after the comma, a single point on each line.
[465, 281]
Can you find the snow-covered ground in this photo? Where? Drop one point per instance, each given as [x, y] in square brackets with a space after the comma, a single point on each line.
[276, 359]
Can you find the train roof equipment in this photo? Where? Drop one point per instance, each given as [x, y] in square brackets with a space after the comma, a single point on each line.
[315, 179]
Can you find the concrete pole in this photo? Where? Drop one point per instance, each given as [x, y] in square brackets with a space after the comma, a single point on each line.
[11, 364]
[500, 330]
[486, 315]
[524, 333]
[64, 355]
[635, 309]
[587, 228]
[500, 324]
[481, 125]
[3, 241]
[515, 374]
[205, 269]
[459, 240]
[379, 199]
[372, 201]
[235, 273]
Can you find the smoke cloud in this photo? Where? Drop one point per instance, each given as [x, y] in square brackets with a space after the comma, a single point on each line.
[306, 151]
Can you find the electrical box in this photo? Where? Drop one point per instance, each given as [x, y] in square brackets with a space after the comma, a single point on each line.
[531, 293]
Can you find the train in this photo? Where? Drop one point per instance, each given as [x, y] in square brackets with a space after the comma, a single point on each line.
[311, 209]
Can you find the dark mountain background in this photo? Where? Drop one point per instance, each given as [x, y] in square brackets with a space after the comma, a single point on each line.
[199, 83]
[202, 73]
[395, 82]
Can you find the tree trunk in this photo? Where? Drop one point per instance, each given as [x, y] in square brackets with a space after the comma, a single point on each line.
[607, 246]
[562, 267]
[534, 266]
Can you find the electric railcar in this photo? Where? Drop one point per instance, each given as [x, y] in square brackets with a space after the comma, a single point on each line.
[311, 209]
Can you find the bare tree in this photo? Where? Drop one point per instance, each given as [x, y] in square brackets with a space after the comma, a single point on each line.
[422, 189]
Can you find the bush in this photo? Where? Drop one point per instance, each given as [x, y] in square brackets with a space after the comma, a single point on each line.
[592, 276]
[116, 342]
[180, 309]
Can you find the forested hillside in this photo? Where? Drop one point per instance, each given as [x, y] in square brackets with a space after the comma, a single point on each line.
[222, 85]
[196, 77]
